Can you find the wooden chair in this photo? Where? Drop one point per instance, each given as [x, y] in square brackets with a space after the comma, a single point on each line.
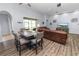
[19, 42]
[38, 41]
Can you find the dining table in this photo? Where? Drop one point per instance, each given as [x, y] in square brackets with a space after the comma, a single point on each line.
[28, 34]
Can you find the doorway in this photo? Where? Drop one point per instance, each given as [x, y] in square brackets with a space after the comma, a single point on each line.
[5, 24]
[5, 30]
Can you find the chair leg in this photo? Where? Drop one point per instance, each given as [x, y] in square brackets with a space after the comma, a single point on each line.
[30, 45]
[17, 48]
[20, 51]
[41, 43]
[36, 49]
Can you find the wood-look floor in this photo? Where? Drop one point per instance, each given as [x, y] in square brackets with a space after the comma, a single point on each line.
[50, 48]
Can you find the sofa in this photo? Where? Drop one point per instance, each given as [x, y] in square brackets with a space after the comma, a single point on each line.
[54, 35]
[42, 29]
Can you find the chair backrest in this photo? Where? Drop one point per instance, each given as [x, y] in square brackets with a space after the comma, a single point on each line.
[16, 38]
[15, 35]
[39, 35]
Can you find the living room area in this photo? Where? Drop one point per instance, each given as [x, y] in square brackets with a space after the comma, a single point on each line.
[39, 29]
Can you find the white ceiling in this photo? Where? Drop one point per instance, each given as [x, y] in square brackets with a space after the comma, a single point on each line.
[44, 8]
[51, 8]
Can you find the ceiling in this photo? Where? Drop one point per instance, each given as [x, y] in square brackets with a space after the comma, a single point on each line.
[51, 8]
[44, 8]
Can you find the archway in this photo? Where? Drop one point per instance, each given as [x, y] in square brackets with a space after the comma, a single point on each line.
[5, 23]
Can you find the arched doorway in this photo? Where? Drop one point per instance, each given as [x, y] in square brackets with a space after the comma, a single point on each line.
[5, 23]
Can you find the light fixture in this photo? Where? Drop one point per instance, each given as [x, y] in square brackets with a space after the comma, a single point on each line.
[59, 4]
[28, 4]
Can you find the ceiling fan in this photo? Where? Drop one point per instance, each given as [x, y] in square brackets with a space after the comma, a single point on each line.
[28, 4]
[59, 4]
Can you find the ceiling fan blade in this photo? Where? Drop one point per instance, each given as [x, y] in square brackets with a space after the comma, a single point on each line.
[29, 4]
[20, 3]
[59, 4]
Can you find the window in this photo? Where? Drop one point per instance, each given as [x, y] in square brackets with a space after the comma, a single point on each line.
[29, 24]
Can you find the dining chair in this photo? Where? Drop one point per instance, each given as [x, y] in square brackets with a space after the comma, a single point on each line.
[19, 42]
[38, 41]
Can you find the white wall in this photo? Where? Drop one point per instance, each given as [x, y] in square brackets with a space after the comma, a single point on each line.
[66, 19]
[18, 12]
